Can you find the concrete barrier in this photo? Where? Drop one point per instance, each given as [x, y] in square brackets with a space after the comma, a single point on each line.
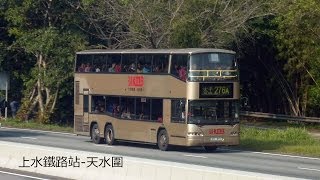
[15, 155]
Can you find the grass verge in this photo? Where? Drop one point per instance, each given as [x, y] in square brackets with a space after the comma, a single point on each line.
[292, 140]
[34, 125]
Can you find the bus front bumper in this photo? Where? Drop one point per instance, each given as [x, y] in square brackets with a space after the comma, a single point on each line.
[212, 141]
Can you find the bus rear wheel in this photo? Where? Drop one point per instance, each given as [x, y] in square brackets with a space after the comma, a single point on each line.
[163, 140]
[210, 148]
[109, 135]
[95, 134]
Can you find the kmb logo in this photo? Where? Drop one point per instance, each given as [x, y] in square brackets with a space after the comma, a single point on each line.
[135, 81]
[216, 131]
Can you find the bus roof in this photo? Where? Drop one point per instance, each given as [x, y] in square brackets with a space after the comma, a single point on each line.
[156, 51]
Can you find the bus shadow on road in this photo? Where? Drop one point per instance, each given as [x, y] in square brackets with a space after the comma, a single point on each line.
[151, 146]
[201, 150]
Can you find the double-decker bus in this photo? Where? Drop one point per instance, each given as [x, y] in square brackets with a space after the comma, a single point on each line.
[184, 97]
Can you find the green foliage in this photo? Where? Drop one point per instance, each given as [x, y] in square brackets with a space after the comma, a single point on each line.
[2, 52]
[57, 49]
[186, 35]
[299, 45]
[314, 103]
[23, 110]
[44, 32]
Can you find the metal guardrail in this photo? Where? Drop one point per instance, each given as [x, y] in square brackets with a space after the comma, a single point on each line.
[279, 116]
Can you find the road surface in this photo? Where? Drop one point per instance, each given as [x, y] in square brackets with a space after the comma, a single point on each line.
[228, 158]
[10, 174]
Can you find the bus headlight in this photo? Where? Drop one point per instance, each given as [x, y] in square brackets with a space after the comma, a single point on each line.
[195, 134]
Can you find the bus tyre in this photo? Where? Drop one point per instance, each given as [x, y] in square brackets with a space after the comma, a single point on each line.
[109, 135]
[95, 134]
[210, 148]
[163, 140]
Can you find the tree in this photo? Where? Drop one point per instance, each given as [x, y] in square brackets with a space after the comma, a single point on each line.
[42, 30]
[298, 45]
[220, 23]
[165, 24]
[130, 24]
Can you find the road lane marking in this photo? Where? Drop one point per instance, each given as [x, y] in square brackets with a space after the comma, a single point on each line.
[285, 155]
[21, 175]
[271, 154]
[100, 145]
[24, 137]
[196, 156]
[310, 169]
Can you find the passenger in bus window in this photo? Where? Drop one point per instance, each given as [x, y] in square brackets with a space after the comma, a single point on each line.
[183, 73]
[116, 110]
[146, 69]
[126, 114]
[157, 69]
[88, 68]
[183, 115]
[125, 68]
[112, 68]
[97, 69]
[141, 116]
[139, 68]
[104, 68]
[81, 68]
[175, 70]
[227, 72]
[110, 109]
[219, 66]
[101, 109]
[96, 109]
[117, 68]
[132, 68]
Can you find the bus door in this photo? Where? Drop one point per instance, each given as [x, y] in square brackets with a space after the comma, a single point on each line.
[86, 107]
[174, 121]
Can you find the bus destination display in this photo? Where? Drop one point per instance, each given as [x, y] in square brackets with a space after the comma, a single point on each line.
[216, 90]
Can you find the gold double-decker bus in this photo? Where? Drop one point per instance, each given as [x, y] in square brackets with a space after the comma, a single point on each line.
[185, 97]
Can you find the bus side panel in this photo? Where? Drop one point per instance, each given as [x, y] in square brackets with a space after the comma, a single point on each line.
[133, 130]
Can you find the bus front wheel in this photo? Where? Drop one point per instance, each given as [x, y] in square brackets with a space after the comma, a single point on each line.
[95, 134]
[109, 135]
[163, 140]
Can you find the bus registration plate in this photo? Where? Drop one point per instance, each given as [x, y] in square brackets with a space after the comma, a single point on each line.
[217, 139]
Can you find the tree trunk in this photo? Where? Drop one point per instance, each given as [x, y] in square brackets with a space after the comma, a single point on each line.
[40, 99]
[39, 84]
[304, 103]
[54, 101]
